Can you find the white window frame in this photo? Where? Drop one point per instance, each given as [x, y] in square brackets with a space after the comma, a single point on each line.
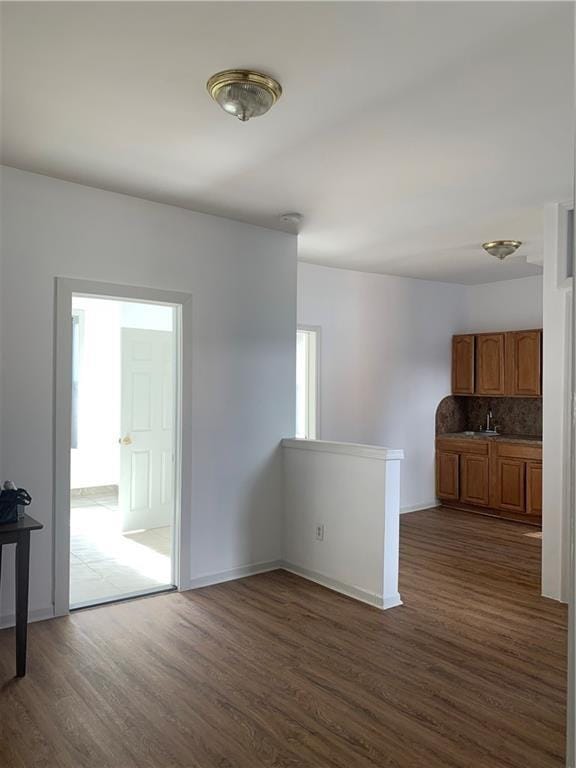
[313, 357]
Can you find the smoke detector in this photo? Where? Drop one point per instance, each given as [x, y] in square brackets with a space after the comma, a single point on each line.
[294, 219]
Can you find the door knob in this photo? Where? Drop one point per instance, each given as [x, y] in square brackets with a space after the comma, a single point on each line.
[125, 440]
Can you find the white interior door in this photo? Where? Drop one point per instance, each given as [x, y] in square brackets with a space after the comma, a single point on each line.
[147, 429]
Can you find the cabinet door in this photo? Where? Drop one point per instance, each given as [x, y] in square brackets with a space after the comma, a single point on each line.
[490, 374]
[447, 476]
[463, 365]
[534, 488]
[474, 475]
[510, 484]
[524, 363]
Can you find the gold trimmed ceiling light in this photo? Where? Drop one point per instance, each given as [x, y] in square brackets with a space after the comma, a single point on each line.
[501, 248]
[244, 93]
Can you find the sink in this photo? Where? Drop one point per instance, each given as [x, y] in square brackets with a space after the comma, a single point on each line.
[484, 433]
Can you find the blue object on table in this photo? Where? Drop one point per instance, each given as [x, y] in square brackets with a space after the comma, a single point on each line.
[10, 500]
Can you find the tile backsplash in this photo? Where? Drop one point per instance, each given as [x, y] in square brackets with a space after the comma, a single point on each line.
[512, 415]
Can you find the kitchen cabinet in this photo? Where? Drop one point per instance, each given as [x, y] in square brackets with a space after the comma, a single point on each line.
[474, 474]
[516, 474]
[534, 488]
[463, 364]
[503, 364]
[448, 476]
[492, 476]
[524, 363]
[490, 369]
[510, 484]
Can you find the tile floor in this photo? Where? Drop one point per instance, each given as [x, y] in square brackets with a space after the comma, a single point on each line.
[106, 564]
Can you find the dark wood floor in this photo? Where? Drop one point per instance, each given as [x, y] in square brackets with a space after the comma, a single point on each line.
[275, 671]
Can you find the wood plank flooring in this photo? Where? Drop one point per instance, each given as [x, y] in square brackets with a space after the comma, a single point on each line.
[273, 671]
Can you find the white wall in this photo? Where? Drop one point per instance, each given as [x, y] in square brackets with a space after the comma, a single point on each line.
[510, 305]
[353, 492]
[385, 362]
[243, 282]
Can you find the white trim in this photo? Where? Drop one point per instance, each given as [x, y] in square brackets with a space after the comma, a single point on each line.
[557, 374]
[384, 603]
[419, 507]
[350, 449]
[569, 529]
[40, 614]
[64, 289]
[210, 579]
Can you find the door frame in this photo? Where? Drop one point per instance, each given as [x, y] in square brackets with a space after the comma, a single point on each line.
[65, 288]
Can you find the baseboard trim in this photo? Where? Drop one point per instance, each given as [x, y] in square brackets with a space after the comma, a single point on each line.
[9, 620]
[419, 507]
[241, 572]
[211, 579]
[391, 601]
[556, 598]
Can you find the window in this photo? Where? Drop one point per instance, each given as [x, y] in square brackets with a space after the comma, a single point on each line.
[307, 380]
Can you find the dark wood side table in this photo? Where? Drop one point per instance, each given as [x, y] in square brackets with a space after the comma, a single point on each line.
[19, 534]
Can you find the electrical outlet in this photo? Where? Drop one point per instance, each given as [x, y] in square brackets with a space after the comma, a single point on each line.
[319, 532]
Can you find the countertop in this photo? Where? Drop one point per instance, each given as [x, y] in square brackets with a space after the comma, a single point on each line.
[504, 438]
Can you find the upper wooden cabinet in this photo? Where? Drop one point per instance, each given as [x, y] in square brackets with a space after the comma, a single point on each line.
[490, 370]
[497, 364]
[524, 363]
[463, 365]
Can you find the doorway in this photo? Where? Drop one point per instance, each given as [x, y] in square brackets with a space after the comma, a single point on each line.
[122, 457]
[119, 447]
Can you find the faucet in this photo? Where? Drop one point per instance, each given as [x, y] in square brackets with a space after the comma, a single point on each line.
[490, 421]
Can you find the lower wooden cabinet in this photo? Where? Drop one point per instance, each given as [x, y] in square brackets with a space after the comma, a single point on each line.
[447, 476]
[490, 476]
[474, 475]
[510, 484]
[534, 488]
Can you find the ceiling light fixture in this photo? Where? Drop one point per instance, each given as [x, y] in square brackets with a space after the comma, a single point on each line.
[501, 248]
[243, 93]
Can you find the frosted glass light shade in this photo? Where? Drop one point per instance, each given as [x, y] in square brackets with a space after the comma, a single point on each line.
[244, 94]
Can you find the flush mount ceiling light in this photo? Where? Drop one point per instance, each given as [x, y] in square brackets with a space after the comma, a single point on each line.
[501, 248]
[243, 93]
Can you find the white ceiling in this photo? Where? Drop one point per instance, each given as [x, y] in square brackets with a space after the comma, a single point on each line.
[408, 133]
